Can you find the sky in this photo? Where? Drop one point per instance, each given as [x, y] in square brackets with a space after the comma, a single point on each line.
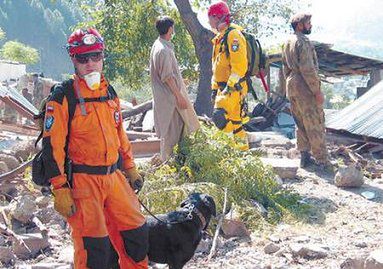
[354, 26]
[337, 21]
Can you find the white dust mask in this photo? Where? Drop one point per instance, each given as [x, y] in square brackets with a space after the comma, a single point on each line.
[93, 80]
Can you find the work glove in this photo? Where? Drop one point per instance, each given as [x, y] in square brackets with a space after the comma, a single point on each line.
[63, 201]
[135, 179]
[213, 96]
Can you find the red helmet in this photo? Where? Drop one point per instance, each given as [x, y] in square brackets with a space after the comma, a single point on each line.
[83, 41]
[219, 9]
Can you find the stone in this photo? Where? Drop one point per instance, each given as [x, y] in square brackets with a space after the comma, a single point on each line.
[6, 255]
[3, 168]
[234, 228]
[283, 167]
[353, 263]
[2, 240]
[275, 238]
[271, 248]
[9, 160]
[349, 176]
[66, 255]
[47, 214]
[204, 246]
[309, 251]
[302, 239]
[23, 209]
[261, 137]
[43, 201]
[35, 243]
[374, 260]
[361, 244]
[24, 150]
[148, 123]
[282, 142]
[282, 252]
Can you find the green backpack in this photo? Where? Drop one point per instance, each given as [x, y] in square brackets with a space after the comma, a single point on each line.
[256, 58]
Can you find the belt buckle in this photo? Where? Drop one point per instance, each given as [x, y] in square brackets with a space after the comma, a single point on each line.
[108, 170]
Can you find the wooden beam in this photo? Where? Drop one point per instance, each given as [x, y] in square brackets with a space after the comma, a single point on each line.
[138, 109]
[140, 135]
[145, 148]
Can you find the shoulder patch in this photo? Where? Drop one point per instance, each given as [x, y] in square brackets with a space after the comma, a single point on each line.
[50, 108]
[235, 45]
[49, 120]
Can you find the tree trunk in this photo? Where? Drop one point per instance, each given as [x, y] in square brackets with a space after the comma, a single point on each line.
[203, 48]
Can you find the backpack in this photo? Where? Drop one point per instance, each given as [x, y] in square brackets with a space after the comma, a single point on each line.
[256, 58]
[39, 175]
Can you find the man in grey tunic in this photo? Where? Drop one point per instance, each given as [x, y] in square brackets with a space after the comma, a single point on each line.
[174, 115]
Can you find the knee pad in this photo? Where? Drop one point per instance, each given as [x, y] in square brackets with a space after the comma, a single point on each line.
[97, 249]
[136, 242]
[219, 118]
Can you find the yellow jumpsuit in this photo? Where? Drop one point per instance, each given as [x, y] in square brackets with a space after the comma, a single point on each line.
[228, 69]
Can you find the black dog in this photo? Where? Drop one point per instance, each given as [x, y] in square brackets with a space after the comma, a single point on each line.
[174, 237]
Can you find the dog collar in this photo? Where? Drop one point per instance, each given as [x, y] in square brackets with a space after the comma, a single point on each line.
[200, 216]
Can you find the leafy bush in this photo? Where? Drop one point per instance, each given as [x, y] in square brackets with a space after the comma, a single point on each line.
[210, 156]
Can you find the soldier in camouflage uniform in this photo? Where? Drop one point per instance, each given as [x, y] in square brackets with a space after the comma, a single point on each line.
[300, 67]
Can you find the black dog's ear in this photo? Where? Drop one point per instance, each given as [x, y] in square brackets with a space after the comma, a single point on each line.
[209, 201]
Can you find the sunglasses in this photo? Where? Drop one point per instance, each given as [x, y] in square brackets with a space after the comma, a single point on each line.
[84, 58]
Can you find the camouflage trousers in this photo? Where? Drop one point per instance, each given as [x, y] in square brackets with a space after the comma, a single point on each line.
[310, 132]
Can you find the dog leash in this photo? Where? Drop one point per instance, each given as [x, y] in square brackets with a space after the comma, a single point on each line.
[188, 217]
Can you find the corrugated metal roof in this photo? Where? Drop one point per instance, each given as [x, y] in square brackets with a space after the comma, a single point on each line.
[333, 63]
[363, 117]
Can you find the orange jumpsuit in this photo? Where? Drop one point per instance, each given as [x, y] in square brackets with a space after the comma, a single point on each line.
[96, 140]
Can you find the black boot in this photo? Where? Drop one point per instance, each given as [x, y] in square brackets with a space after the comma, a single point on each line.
[306, 159]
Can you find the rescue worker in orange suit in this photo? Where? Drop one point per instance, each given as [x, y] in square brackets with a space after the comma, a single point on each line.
[228, 86]
[100, 193]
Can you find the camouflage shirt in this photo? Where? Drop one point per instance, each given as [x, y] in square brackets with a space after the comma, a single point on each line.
[300, 65]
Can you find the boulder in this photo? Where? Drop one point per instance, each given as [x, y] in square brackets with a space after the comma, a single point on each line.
[309, 251]
[283, 167]
[349, 176]
[9, 160]
[234, 228]
[34, 242]
[353, 263]
[3, 167]
[271, 248]
[24, 150]
[23, 209]
[6, 255]
[374, 260]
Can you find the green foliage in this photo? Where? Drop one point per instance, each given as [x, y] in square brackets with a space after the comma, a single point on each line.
[263, 18]
[19, 52]
[209, 156]
[128, 28]
[128, 93]
[337, 99]
[45, 25]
